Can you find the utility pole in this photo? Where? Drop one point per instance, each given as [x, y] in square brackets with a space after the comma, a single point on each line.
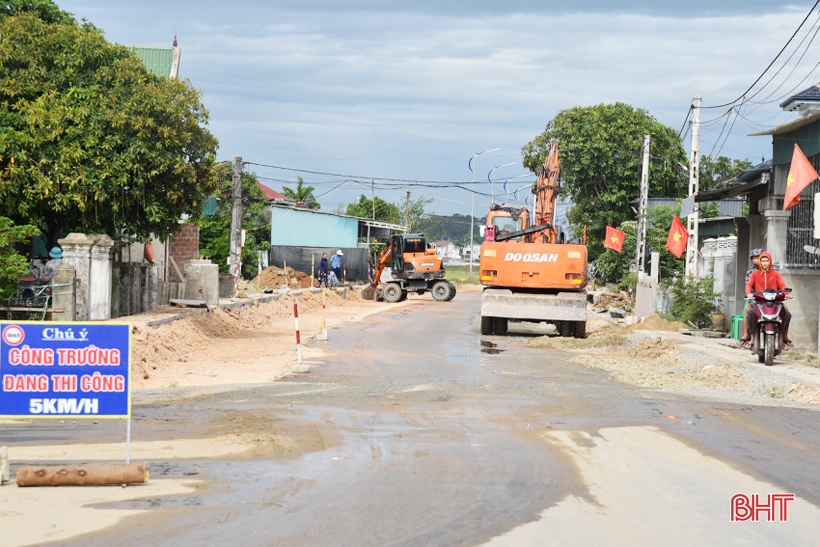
[373, 196]
[236, 215]
[407, 213]
[641, 244]
[472, 211]
[694, 173]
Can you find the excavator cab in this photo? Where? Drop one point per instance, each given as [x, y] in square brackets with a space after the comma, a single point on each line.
[502, 221]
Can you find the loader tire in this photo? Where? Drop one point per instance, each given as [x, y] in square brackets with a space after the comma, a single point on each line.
[580, 329]
[403, 296]
[392, 292]
[500, 326]
[486, 325]
[452, 291]
[441, 291]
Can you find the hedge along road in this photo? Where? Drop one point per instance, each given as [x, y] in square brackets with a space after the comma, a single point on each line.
[413, 433]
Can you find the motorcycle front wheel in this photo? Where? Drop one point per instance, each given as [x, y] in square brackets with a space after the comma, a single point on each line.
[769, 349]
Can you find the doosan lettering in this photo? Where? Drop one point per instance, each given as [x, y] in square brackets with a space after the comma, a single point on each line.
[519, 257]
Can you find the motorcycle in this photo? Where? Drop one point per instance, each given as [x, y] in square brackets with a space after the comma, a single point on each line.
[768, 334]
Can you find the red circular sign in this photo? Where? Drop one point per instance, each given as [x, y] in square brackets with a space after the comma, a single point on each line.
[13, 335]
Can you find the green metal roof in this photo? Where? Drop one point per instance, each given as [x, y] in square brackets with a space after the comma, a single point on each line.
[157, 60]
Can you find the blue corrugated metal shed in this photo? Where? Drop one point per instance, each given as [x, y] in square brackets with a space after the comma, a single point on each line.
[296, 227]
[157, 60]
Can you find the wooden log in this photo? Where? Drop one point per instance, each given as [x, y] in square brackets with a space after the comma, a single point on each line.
[83, 475]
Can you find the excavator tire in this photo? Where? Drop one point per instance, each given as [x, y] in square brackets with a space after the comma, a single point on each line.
[500, 326]
[403, 296]
[486, 325]
[452, 291]
[392, 292]
[442, 291]
[580, 330]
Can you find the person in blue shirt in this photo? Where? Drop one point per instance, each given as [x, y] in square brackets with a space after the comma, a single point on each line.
[336, 264]
[323, 269]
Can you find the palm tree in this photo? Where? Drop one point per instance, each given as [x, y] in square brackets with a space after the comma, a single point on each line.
[302, 193]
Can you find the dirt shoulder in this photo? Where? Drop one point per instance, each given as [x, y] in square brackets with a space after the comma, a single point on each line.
[247, 345]
[654, 354]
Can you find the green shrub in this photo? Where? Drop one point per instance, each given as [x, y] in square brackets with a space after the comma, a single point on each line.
[693, 300]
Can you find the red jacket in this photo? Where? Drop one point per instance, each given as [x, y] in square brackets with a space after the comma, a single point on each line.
[768, 279]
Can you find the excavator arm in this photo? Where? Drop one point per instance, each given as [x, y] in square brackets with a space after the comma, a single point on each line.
[384, 258]
[546, 190]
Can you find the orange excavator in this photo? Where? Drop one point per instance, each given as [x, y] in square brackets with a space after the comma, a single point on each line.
[405, 265]
[529, 274]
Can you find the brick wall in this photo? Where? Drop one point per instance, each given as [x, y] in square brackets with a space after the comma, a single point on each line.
[185, 245]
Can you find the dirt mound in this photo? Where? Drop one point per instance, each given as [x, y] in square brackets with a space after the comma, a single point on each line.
[577, 343]
[652, 349]
[274, 277]
[655, 322]
[181, 341]
[799, 392]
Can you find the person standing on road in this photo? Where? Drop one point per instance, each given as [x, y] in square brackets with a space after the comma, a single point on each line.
[336, 264]
[323, 269]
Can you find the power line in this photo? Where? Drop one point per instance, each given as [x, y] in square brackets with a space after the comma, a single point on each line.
[742, 95]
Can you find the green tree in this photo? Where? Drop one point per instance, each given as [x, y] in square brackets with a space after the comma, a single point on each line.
[614, 267]
[302, 193]
[12, 264]
[601, 154]
[43, 9]
[714, 172]
[214, 232]
[89, 139]
[385, 211]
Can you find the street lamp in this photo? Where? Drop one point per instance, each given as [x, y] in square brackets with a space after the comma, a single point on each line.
[492, 179]
[471, 164]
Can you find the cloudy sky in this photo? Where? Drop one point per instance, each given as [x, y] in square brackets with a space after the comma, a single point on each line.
[409, 90]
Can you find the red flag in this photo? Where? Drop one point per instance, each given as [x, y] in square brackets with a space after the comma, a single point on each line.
[801, 174]
[614, 239]
[678, 236]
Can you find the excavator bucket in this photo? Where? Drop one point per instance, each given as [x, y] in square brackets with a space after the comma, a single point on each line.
[370, 293]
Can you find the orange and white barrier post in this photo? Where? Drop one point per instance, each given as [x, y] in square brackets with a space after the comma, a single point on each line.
[323, 325]
[298, 337]
[312, 269]
[236, 280]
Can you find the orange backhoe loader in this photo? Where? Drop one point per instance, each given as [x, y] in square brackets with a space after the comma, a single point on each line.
[406, 264]
[527, 273]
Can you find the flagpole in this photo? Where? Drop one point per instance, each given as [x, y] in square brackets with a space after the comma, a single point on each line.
[694, 173]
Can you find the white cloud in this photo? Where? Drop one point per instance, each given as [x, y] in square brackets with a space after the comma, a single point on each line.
[370, 84]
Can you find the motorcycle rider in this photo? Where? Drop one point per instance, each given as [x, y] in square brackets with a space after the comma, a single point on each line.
[767, 278]
[754, 255]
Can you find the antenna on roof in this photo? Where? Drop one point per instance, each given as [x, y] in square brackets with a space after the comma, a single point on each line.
[175, 37]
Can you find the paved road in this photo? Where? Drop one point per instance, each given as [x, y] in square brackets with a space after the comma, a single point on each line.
[424, 436]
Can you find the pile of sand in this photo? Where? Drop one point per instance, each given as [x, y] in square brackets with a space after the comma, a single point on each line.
[655, 322]
[799, 392]
[556, 342]
[274, 277]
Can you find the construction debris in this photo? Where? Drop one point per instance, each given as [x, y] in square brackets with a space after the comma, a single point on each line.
[617, 304]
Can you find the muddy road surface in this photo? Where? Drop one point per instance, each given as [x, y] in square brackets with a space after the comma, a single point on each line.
[415, 430]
